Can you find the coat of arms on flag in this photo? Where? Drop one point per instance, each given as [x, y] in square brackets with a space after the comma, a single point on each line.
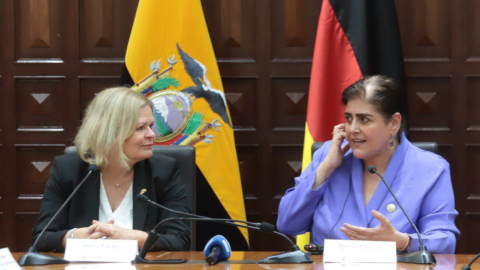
[176, 123]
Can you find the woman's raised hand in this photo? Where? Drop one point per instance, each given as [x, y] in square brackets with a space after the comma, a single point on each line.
[334, 157]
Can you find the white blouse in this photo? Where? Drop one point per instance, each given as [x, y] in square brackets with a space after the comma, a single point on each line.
[123, 215]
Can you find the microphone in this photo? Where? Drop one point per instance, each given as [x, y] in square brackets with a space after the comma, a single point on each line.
[468, 267]
[295, 256]
[217, 249]
[264, 226]
[33, 258]
[422, 256]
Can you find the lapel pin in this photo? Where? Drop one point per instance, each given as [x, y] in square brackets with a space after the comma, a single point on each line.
[143, 191]
[391, 207]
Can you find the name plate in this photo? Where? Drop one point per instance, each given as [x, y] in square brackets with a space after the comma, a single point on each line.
[98, 250]
[101, 266]
[7, 262]
[360, 266]
[353, 251]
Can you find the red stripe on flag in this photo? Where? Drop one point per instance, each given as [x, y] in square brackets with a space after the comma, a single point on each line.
[334, 68]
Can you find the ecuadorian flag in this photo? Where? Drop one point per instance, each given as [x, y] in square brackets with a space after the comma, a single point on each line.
[171, 60]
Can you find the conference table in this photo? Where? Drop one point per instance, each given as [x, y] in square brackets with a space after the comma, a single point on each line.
[196, 261]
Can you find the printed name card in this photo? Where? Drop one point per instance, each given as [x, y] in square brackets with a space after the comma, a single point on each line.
[98, 250]
[7, 262]
[101, 266]
[353, 251]
[360, 266]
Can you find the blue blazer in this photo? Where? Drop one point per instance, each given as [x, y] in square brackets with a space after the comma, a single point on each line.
[420, 179]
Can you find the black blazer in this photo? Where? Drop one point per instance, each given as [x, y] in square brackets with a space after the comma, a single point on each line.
[158, 175]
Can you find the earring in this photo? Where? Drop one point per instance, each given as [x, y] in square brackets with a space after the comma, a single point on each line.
[391, 143]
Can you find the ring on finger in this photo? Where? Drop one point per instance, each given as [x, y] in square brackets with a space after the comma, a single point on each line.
[334, 133]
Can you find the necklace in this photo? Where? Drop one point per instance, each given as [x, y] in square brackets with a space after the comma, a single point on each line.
[117, 184]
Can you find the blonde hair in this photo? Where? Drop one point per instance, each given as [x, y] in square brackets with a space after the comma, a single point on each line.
[111, 118]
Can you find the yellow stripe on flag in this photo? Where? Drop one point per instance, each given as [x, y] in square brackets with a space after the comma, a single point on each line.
[304, 239]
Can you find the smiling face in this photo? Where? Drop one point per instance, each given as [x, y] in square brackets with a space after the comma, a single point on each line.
[138, 146]
[368, 132]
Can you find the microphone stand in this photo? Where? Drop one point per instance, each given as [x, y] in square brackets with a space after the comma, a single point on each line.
[467, 267]
[293, 257]
[33, 258]
[422, 256]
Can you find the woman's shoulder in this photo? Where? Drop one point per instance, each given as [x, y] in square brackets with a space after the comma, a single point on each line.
[424, 159]
[162, 164]
[72, 162]
[72, 158]
[158, 158]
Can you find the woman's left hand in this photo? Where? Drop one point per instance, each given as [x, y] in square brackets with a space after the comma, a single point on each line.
[383, 232]
[106, 230]
[100, 229]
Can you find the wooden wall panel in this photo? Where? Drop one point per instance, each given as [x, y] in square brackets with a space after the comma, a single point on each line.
[471, 8]
[248, 166]
[429, 107]
[425, 28]
[3, 243]
[439, 40]
[290, 98]
[40, 103]
[473, 103]
[33, 163]
[294, 25]
[105, 29]
[90, 86]
[39, 30]
[25, 222]
[232, 27]
[241, 96]
[473, 159]
[2, 105]
[287, 164]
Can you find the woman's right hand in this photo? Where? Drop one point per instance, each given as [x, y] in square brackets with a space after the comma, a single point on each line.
[80, 233]
[334, 157]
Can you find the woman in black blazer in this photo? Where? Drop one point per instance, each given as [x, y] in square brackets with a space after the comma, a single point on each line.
[115, 135]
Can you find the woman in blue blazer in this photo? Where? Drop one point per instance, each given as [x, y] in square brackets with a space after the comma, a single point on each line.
[337, 198]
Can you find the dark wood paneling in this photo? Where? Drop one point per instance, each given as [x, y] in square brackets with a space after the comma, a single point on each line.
[425, 28]
[241, 98]
[40, 103]
[33, 167]
[290, 98]
[248, 165]
[473, 103]
[25, 222]
[429, 106]
[104, 29]
[39, 30]
[439, 39]
[294, 25]
[90, 86]
[232, 27]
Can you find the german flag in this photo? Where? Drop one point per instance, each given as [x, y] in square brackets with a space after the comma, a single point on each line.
[355, 38]
[170, 59]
